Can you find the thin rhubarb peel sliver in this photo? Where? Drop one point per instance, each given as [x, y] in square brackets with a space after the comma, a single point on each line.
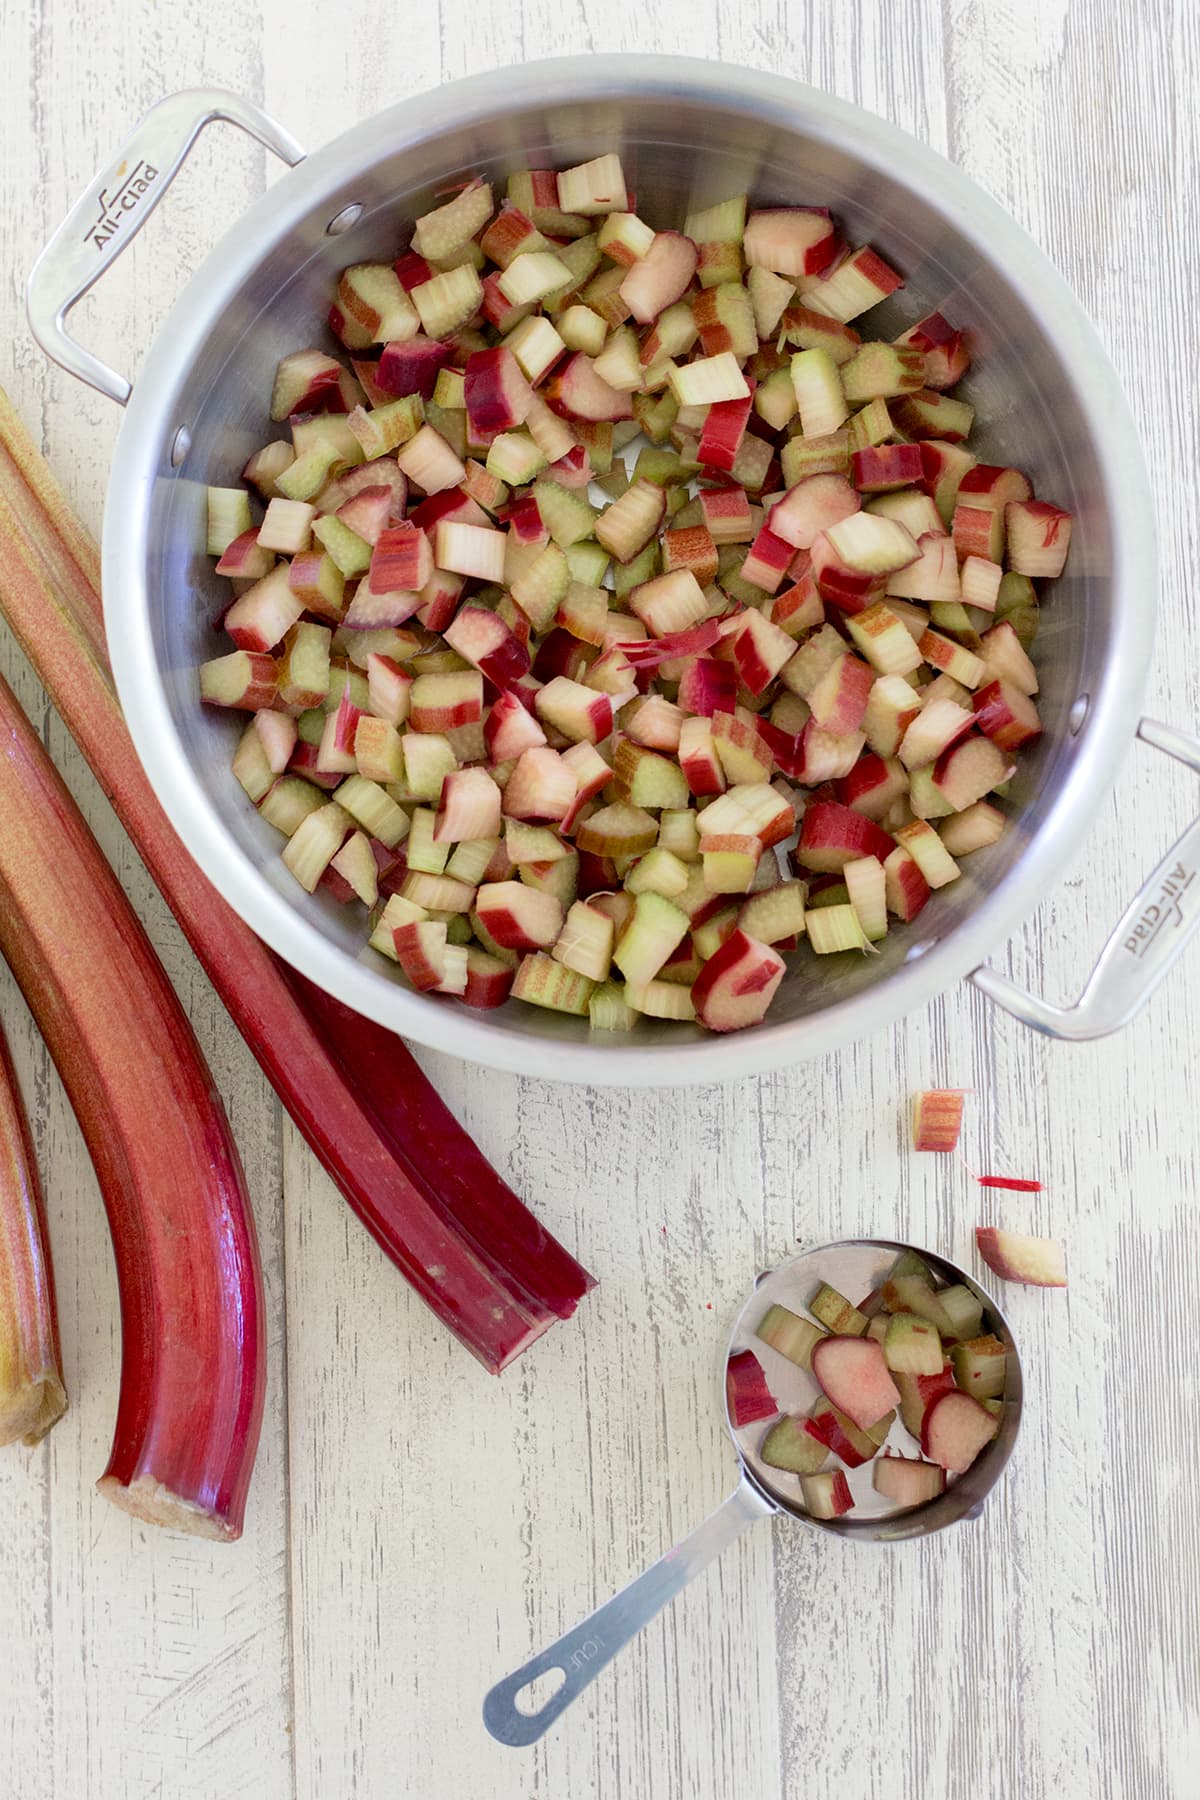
[422, 1188]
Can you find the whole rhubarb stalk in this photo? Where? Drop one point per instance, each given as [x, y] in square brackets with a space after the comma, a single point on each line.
[472, 1250]
[192, 1333]
[32, 1395]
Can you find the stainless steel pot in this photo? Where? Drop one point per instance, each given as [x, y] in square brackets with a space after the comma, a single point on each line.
[689, 132]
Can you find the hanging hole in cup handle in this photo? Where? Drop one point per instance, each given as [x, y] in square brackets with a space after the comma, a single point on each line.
[522, 1707]
[1154, 931]
[113, 210]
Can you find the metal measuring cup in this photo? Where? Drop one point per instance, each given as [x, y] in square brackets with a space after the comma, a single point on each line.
[854, 1268]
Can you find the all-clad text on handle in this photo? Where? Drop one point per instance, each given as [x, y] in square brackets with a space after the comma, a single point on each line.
[113, 210]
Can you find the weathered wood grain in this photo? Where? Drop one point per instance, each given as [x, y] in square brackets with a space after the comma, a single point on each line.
[141, 1664]
[417, 1529]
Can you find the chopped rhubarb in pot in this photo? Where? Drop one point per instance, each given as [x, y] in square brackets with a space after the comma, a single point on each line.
[658, 497]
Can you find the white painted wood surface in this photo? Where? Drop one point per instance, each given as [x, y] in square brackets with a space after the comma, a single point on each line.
[415, 1528]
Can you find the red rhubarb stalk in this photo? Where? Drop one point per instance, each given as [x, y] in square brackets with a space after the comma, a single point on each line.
[192, 1359]
[409, 1171]
[32, 1395]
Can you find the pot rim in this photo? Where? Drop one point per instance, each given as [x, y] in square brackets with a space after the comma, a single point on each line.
[142, 457]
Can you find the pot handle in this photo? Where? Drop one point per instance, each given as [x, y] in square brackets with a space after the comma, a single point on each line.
[115, 207]
[1155, 929]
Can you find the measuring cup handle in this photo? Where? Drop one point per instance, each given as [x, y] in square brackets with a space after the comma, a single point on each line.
[582, 1653]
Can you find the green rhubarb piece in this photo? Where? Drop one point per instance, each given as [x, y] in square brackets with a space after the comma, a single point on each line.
[963, 1309]
[791, 1335]
[914, 1294]
[543, 982]
[608, 1009]
[836, 1313]
[912, 1345]
[289, 802]
[832, 929]
[342, 681]
[1017, 603]
[588, 562]
[373, 808]
[909, 1263]
[642, 567]
[655, 929]
[788, 1446]
[421, 853]
[566, 515]
[351, 553]
[980, 1367]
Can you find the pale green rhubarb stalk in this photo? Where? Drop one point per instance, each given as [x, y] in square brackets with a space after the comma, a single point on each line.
[32, 1394]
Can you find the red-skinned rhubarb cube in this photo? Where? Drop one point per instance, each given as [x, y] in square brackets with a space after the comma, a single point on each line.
[411, 367]
[832, 835]
[747, 1396]
[978, 531]
[873, 784]
[850, 590]
[720, 440]
[937, 1119]
[698, 758]
[947, 357]
[481, 637]
[881, 468]
[736, 986]
[401, 561]
[1006, 715]
[839, 699]
[760, 651]
[518, 917]
[497, 394]
[577, 391]
[790, 241]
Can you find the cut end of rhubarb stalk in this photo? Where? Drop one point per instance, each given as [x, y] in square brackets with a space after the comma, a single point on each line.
[154, 1504]
[32, 1395]
[28, 1414]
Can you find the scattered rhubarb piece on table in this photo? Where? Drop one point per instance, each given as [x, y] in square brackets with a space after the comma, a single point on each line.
[1031, 1261]
[937, 1119]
